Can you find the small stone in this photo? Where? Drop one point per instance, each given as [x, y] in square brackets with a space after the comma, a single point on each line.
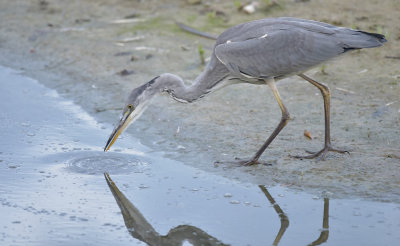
[227, 195]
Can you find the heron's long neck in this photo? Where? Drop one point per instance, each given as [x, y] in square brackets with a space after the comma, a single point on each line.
[212, 75]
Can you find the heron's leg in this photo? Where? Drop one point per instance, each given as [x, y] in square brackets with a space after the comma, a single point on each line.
[326, 94]
[284, 120]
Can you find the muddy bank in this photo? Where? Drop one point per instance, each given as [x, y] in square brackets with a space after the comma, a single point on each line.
[78, 49]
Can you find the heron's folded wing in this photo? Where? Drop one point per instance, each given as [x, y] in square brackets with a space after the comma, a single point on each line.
[278, 52]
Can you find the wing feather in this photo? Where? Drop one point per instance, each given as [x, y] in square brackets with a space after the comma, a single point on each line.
[277, 52]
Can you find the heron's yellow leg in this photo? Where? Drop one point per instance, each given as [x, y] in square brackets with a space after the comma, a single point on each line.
[284, 120]
[326, 94]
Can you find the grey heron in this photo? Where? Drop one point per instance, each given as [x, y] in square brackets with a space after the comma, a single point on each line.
[259, 52]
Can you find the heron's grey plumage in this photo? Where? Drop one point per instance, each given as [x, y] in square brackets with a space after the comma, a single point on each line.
[213, 74]
[262, 49]
[259, 52]
[280, 47]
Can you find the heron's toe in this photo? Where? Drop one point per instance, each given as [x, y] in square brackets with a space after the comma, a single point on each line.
[242, 162]
[320, 155]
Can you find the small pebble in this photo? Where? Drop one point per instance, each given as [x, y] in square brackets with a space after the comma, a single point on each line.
[227, 195]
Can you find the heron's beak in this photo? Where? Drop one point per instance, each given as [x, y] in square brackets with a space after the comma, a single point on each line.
[123, 123]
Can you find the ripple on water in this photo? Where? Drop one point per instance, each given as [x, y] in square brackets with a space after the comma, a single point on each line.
[98, 164]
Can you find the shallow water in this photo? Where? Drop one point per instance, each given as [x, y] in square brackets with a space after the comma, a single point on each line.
[53, 192]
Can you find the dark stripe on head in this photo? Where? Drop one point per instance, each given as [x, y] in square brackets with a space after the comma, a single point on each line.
[152, 81]
[142, 88]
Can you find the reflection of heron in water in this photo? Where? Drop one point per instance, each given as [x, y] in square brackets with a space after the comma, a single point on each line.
[323, 237]
[282, 216]
[141, 229]
[259, 52]
[285, 220]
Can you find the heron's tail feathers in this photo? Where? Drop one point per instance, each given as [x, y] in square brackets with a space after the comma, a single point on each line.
[355, 39]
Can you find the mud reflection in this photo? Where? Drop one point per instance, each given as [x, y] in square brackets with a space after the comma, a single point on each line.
[142, 230]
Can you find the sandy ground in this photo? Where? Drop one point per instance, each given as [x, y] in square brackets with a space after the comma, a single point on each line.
[75, 48]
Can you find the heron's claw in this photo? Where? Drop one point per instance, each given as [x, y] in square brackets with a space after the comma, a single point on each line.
[240, 162]
[246, 162]
[320, 155]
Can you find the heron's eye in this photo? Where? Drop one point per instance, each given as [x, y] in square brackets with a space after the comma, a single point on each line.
[130, 106]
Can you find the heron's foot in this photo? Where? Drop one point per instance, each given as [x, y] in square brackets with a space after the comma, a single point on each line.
[320, 155]
[240, 162]
[246, 162]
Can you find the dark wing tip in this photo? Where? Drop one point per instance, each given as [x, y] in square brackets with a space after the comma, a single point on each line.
[380, 37]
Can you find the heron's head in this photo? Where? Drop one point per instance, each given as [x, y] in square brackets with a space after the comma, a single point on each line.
[134, 107]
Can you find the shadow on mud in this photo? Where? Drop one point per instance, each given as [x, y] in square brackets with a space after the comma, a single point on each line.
[142, 230]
